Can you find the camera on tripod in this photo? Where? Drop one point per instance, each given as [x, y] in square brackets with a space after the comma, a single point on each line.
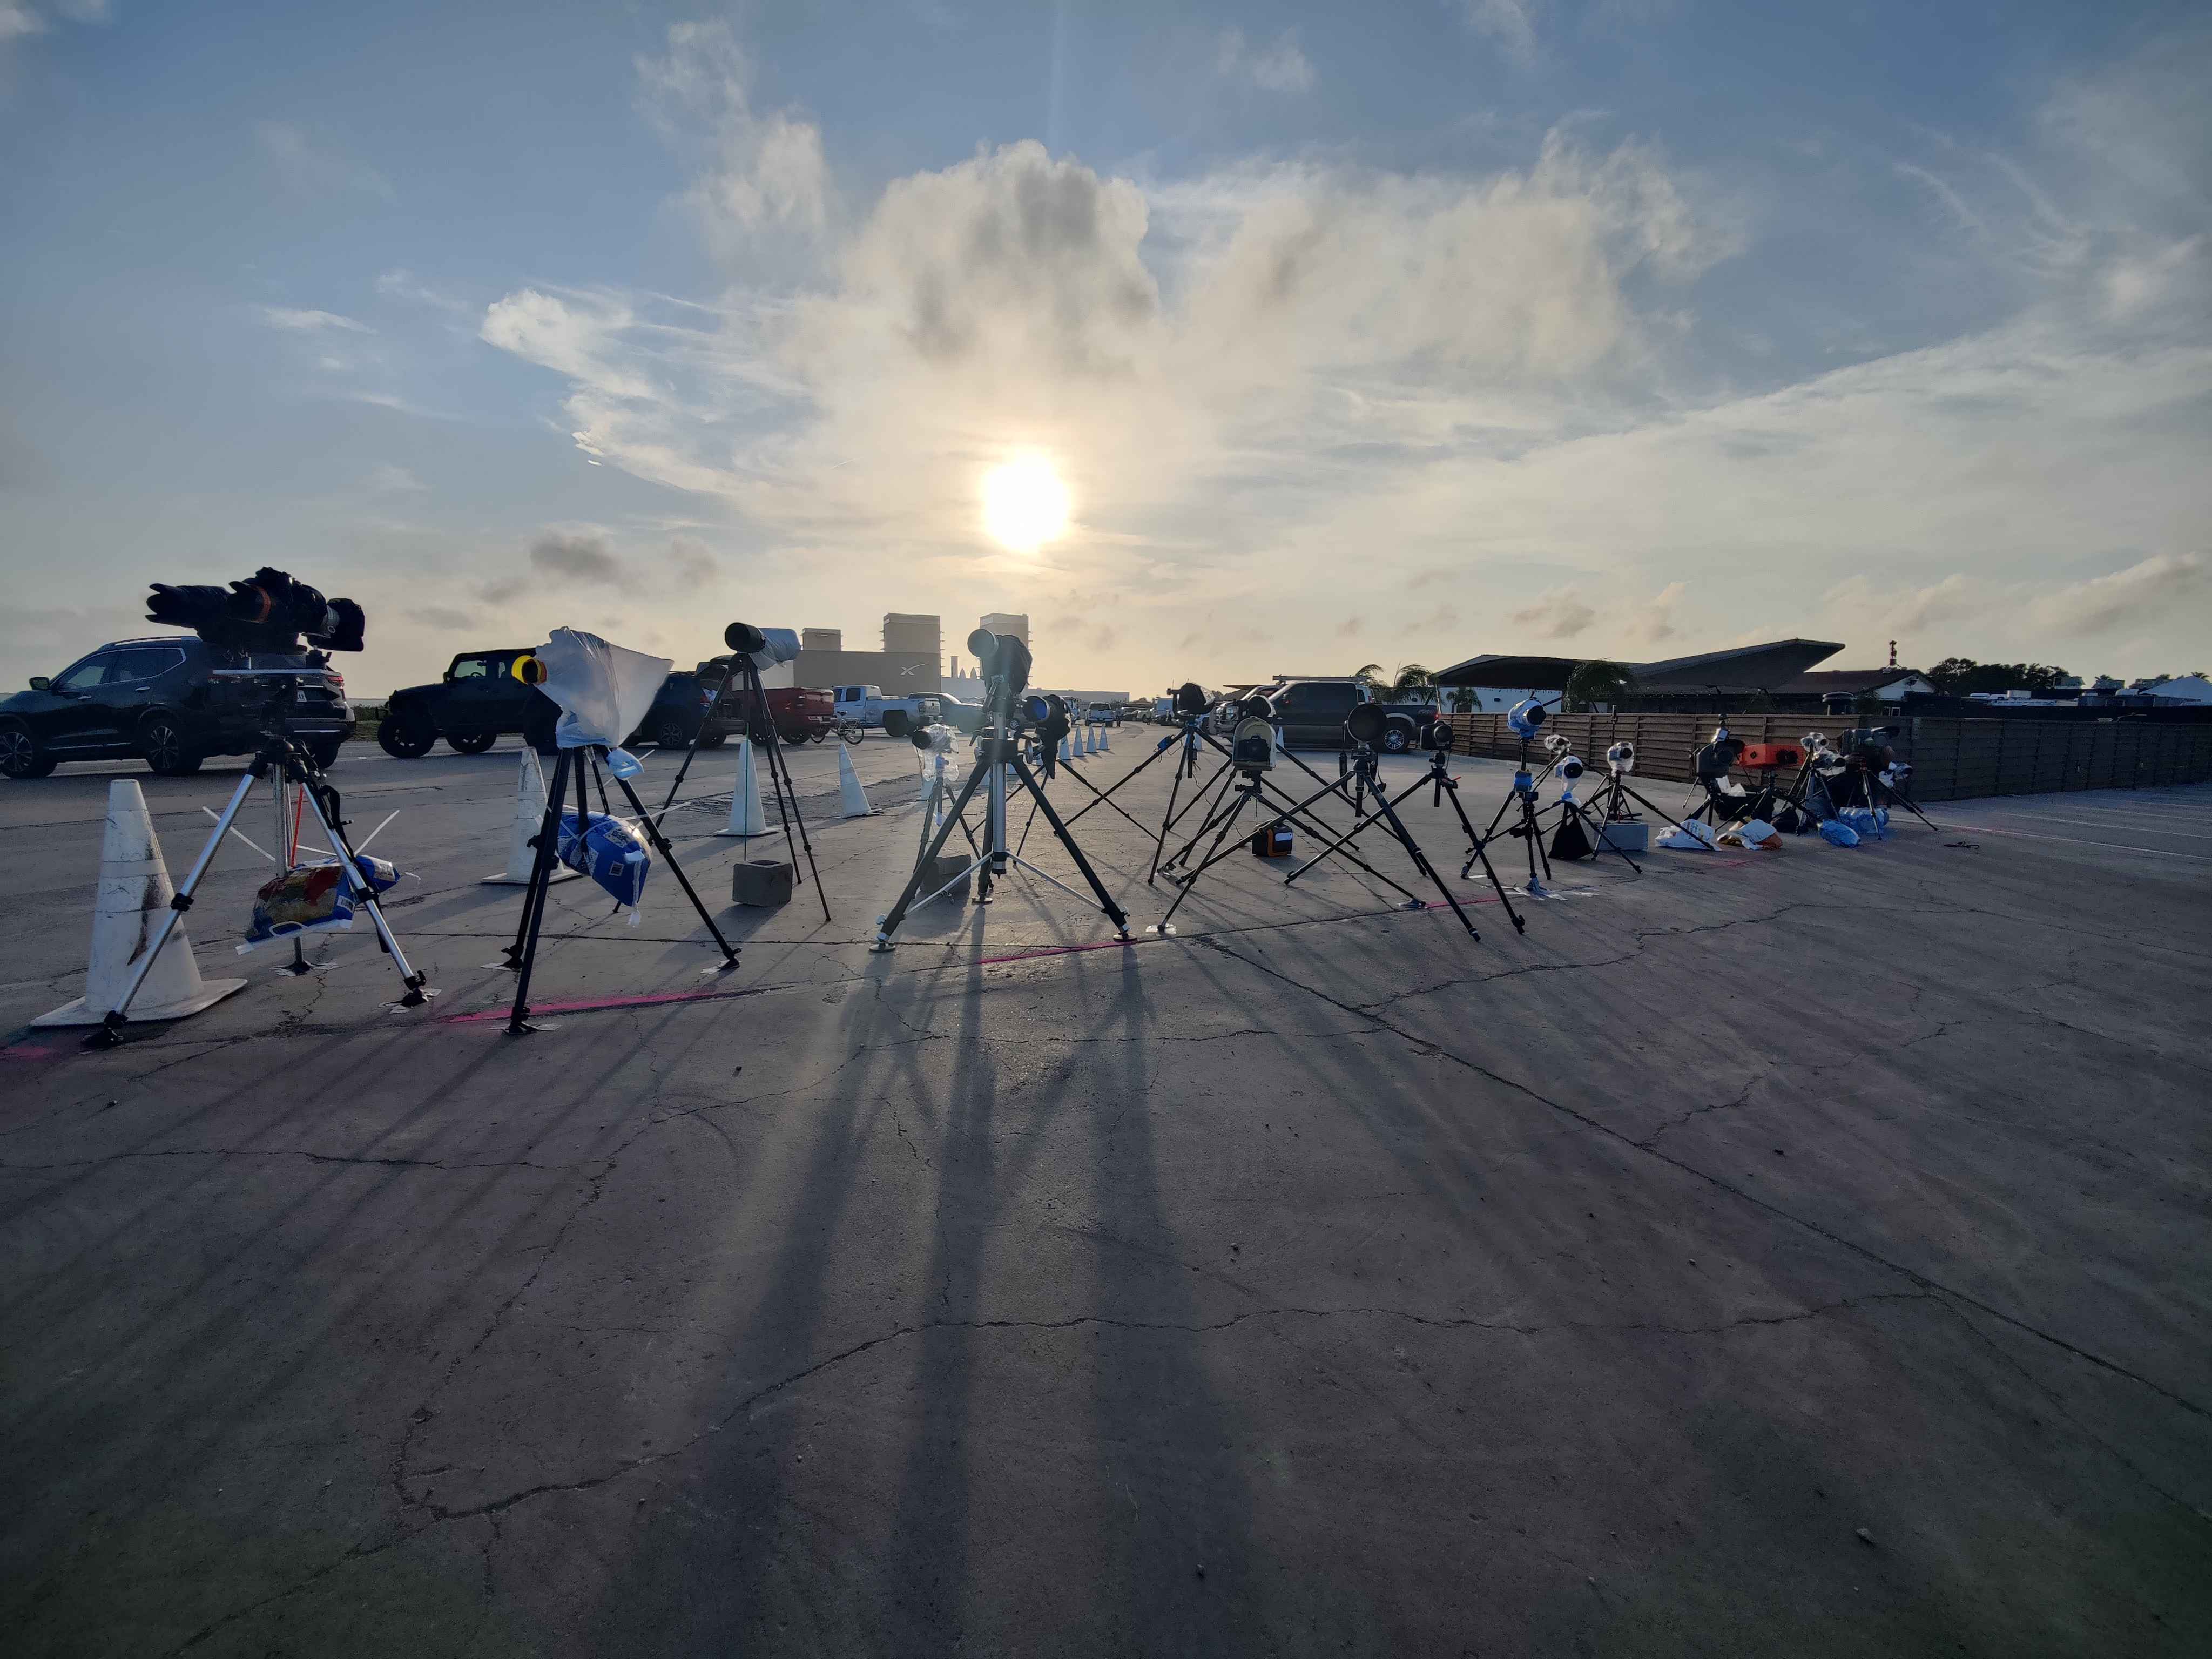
[1252, 743]
[1716, 759]
[1866, 747]
[1001, 657]
[268, 612]
[1189, 700]
[1526, 718]
[1621, 757]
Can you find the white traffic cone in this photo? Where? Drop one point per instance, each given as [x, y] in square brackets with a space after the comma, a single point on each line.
[1090, 739]
[1064, 754]
[854, 799]
[127, 910]
[746, 818]
[1105, 733]
[529, 818]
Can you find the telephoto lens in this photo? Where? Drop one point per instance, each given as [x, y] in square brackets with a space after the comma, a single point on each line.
[1190, 699]
[1621, 757]
[1570, 767]
[1526, 718]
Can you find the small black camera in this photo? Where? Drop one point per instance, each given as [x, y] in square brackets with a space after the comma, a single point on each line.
[267, 612]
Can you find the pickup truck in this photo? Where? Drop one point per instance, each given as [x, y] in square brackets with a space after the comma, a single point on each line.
[1310, 714]
[798, 713]
[867, 707]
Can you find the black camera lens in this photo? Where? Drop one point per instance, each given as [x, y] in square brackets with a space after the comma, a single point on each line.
[1365, 723]
[743, 638]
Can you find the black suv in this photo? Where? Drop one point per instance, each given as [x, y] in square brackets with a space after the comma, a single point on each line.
[159, 699]
[479, 699]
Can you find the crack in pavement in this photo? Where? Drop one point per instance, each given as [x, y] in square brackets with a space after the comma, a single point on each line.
[1766, 1205]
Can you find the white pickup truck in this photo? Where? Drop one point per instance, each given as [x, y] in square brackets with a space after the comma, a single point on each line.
[866, 707]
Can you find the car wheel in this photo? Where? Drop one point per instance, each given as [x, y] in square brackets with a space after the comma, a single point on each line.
[325, 754]
[670, 731]
[470, 742]
[713, 739]
[406, 737]
[1396, 740]
[161, 740]
[22, 755]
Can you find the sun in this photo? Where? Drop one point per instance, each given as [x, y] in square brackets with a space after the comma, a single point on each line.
[1024, 503]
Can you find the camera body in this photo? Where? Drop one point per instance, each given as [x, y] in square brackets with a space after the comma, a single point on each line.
[1621, 757]
[766, 646]
[1526, 718]
[1252, 745]
[1717, 759]
[1001, 657]
[267, 612]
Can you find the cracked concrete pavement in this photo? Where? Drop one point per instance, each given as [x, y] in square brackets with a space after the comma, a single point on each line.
[1794, 1253]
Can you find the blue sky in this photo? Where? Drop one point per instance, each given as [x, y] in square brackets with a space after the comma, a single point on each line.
[1392, 333]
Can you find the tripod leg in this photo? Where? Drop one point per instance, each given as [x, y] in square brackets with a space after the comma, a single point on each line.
[365, 894]
[104, 1035]
[1113, 912]
[533, 896]
[1160, 840]
[668, 853]
[958, 815]
[1599, 843]
[1213, 856]
[1383, 806]
[1158, 750]
[1466, 823]
[1227, 776]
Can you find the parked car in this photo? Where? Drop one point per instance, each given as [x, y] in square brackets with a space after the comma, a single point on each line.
[1310, 714]
[1102, 714]
[160, 700]
[479, 699]
[797, 714]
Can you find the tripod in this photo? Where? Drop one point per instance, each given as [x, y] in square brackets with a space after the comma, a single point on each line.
[522, 955]
[1528, 826]
[760, 730]
[1440, 782]
[1361, 774]
[1609, 807]
[282, 760]
[999, 759]
[1861, 779]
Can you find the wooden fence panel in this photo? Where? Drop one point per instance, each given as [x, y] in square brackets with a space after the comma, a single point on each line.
[1952, 759]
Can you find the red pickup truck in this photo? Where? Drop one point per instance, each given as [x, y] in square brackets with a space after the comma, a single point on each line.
[799, 713]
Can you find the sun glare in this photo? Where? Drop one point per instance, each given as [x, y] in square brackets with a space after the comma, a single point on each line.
[1025, 504]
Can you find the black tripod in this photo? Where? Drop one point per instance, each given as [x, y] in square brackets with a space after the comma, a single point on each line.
[1361, 774]
[1863, 786]
[285, 759]
[998, 758]
[522, 955]
[1521, 800]
[760, 729]
[1610, 806]
[1440, 782]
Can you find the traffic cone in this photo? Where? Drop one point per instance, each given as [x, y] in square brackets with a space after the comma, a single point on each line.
[854, 799]
[1104, 734]
[746, 818]
[127, 909]
[1091, 739]
[1064, 754]
[529, 818]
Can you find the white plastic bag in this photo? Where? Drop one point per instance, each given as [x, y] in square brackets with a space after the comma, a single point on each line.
[1692, 834]
[603, 691]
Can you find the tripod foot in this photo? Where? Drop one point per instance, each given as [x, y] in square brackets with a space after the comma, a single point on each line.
[1160, 930]
[106, 1034]
[721, 967]
[1418, 904]
[882, 947]
[417, 995]
[529, 1027]
[1519, 926]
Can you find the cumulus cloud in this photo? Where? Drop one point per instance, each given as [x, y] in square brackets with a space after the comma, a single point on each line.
[579, 558]
[1657, 621]
[1560, 614]
[759, 172]
[2167, 587]
[1510, 23]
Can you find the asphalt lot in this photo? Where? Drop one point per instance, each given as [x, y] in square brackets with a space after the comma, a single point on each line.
[1797, 1253]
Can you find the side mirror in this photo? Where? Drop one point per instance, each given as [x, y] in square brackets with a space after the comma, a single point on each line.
[39, 683]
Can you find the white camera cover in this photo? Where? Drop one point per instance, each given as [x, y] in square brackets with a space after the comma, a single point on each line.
[603, 690]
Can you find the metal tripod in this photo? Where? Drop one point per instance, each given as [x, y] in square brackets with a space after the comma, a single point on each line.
[282, 760]
[522, 955]
[1362, 776]
[998, 760]
[761, 732]
[1526, 827]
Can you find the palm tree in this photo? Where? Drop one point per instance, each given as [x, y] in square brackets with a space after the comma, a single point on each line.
[1411, 680]
[1599, 681]
[1462, 699]
[1368, 675]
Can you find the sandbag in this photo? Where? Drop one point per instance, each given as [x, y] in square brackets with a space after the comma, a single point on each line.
[312, 899]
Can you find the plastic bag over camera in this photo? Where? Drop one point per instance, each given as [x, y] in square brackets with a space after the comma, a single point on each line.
[603, 690]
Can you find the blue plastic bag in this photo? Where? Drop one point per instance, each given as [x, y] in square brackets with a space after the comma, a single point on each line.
[1838, 833]
[609, 852]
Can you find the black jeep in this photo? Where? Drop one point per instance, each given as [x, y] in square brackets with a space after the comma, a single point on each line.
[161, 699]
[479, 699]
